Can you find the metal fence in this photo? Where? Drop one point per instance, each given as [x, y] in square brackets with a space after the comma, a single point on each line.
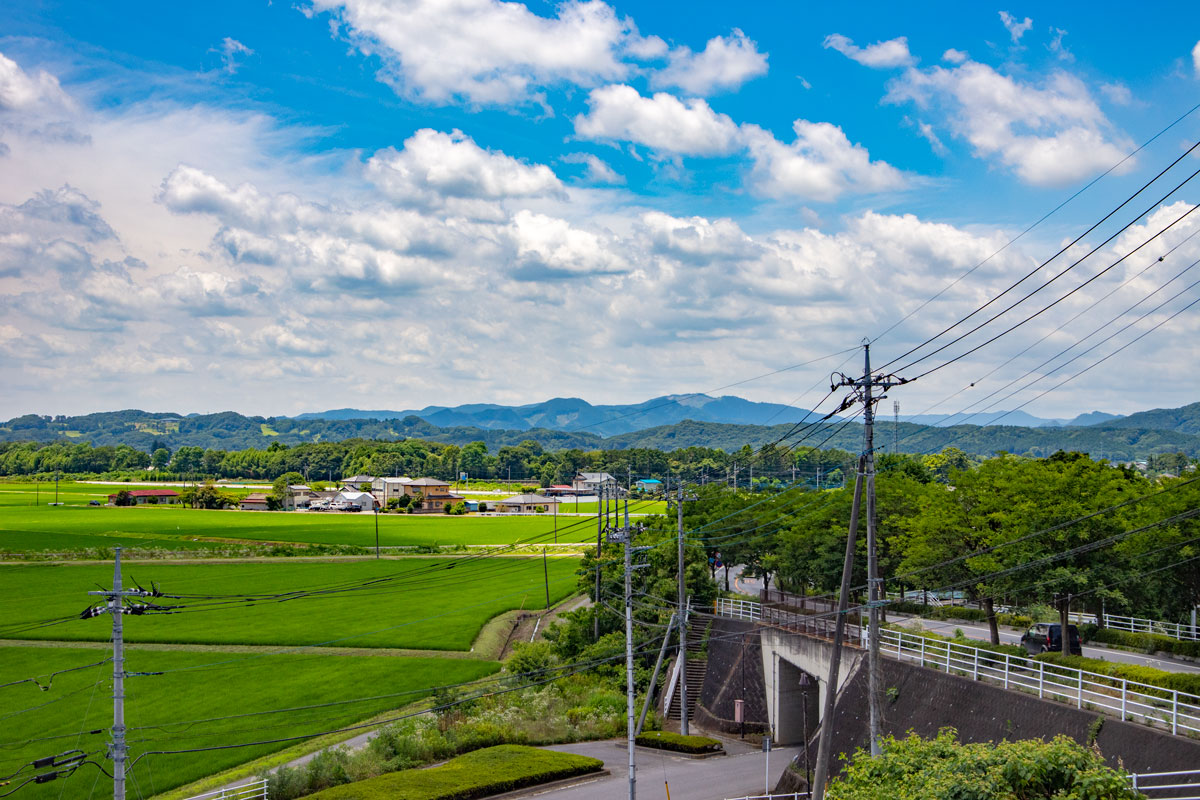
[788, 796]
[1128, 700]
[820, 626]
[1143, 703]
[249, 791]
[1168, 785]
[1184, 633]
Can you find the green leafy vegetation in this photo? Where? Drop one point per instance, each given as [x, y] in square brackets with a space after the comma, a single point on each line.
[665, 740]
[1187, 682]
[1141, 642]
[484, 772]
[942, 768]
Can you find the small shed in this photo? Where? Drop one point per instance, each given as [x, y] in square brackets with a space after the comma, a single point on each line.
[255, 502]
[651, 485]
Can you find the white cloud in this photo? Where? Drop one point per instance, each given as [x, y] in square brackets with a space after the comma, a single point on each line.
[433, 167]
[1057, 47]
[725, 63]
[662, 122]
[1196, 58]
[1117, 93]
[1048, 135]
[598, 170]
[1015, 29]
[892, 53]
[953, 56]
[820, 164]
[20, 91]
[548, 248]
[231, 52]
[489, 52]
[929, 135]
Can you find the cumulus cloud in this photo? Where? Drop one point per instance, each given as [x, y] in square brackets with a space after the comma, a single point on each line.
[892, 53]
[488, 52]
[1196, 58]
[1049, 135]
[21, 91]
[725, 63]
[662, 122]
[819, 164]
[433, 167]
[1016, 29]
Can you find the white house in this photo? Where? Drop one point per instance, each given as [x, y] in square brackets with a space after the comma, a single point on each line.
[651, 485]
[526, 504]
[365, 501]
[592, 482]
[390, 488]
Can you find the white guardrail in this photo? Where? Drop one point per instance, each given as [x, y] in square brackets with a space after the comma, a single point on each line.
[1184, 633]
[1153, 784]
[1131, 701]
[248, 791]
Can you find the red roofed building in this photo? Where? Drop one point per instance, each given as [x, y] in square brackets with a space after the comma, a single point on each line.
[143, 497]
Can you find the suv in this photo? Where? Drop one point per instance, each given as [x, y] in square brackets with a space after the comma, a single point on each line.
[1047, 636]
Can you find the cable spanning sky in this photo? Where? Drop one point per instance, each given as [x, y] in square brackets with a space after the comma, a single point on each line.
[284, 207]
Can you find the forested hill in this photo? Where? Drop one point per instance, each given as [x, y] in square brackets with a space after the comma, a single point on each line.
[231, 431]
[1184, 420]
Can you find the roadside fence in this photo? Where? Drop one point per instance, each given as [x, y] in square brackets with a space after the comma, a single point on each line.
[1176, 785]
[256, 790]
[1128, 700]
[1184, 633]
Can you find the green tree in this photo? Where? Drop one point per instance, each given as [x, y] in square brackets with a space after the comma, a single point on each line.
[160, 458]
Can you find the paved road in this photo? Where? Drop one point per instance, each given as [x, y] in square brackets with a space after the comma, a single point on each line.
[739, 774]
[946, 627]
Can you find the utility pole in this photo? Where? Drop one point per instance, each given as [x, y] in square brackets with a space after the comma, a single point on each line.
[624, 535]
[683, 615]
[863, 390]
[599, 534]
[117, 750]
[825, 743]
[895, 427]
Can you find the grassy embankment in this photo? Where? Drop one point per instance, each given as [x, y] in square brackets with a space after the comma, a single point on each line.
[183, 708]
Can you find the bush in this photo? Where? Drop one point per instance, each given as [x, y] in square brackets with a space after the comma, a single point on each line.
[664, 740]
[482, 506]
[943, 769]
[958, 612]
[493, 770]
[1185, 682]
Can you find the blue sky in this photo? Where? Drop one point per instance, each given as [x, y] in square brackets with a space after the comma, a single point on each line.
[280, 207]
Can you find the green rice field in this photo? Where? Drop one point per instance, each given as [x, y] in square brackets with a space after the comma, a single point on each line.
[176, 710]
[417, 603]
[33, 528]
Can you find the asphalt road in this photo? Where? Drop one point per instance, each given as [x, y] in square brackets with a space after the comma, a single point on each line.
[740, 774]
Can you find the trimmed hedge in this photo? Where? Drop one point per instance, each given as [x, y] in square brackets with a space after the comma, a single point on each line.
[1142, 642]
[664, 740]
[492, 770]
[1186, 682]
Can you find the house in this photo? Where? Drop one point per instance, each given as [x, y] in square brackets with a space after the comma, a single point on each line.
[389, 488]
[299, 496]
[559, 490]
[352, 500]
[650, 485]
[355, 482]
[434, 494]
[526, 504]
[593, 482]
[257, 501]
[144, 497]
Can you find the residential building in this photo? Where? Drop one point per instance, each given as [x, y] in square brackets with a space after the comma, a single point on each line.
[526, 504]
[364, 501]
[593, 482]
[390, 488]
[651, 485]
[144, 497]
[434, 493]
[355, 482]
[256, 501]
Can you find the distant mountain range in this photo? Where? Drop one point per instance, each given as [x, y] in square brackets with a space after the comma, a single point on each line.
[566, 423]
[575, 414]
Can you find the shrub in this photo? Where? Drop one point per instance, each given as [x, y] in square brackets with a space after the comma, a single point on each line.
[493, 770]
[1186, 682]
[483, 506]
[943, 769]
[1142, 642]
[664, 740]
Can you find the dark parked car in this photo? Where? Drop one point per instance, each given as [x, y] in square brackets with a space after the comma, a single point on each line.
[1047, 636]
